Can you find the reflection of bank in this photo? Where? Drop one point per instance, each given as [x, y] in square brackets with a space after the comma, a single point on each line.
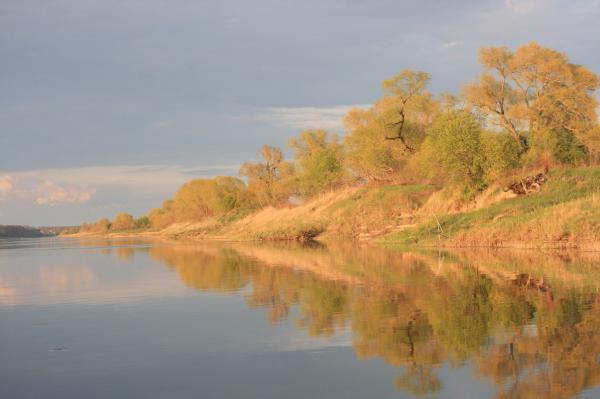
[419, 312]
[125, 253]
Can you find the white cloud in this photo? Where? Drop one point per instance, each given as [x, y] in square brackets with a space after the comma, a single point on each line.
[454, 43]
[150, 180]
[50, 193]
[6, 185]
[90, 193]
[523, 6]
[307, 117]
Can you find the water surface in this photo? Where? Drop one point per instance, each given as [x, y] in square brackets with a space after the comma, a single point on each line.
[130, 318]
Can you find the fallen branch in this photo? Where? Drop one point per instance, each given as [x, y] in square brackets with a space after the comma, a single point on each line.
[528, 184]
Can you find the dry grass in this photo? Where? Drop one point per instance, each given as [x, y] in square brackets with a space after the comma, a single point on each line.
[349, 212]
[564, 214]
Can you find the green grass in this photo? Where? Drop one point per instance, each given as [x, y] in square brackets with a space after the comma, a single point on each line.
[563, 187]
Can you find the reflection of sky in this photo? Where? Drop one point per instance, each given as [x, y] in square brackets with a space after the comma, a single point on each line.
[63, 275]
[200, 85]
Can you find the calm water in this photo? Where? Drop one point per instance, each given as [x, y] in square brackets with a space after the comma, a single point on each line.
[135, 319]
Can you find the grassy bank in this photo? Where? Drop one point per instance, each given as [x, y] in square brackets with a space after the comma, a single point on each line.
[565, 213]
[361, 213]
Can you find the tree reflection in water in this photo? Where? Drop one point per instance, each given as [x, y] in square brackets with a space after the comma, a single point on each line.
[529, 323]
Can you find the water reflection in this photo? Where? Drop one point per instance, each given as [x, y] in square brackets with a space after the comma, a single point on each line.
[527, 322]
[51, 271]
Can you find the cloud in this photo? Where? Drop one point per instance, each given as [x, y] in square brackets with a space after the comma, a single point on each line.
[50, 193]
[149, 180]
[6, 185]
[454, 43]
[307, 117]
[523, 6]
[42, 196]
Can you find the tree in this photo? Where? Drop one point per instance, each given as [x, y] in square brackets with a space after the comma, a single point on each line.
[320, 161]
[199, 199]
[368, 155]
[404, 113]
[123, 221]
[102, 225]
[406, 87]
[163, 216]
[142, 222]
[501, 154]
[265, 177]
[534, 89]
[453, 149]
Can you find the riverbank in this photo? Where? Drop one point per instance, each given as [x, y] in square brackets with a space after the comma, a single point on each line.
[563, 213]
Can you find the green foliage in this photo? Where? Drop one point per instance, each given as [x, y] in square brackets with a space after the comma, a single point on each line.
[501, 153]
[564, 186]
[568, 149]
[453, 150]
[142, 222]
[368, 155]
[320, 161]
[556, 146]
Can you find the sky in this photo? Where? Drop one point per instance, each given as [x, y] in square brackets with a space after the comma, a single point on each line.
[110, 105]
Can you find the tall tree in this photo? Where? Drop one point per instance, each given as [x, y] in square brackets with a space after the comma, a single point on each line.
[533, 89]
[264, 175]
[320, 160]
[400, 91]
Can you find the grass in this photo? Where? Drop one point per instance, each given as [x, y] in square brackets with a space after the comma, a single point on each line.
[565, 213]
[349, 212]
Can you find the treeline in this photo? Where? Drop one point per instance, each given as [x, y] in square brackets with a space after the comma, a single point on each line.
[8, 231]
[529, 109]
[123, 221]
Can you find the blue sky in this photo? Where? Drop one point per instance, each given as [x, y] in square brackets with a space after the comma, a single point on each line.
[109, 105]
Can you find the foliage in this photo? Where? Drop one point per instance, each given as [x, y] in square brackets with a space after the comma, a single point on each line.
[534, 89]
[319, 159]
[501, 154]
[101, 226]
[453, 149]
[123, 221]
[142, 222]
[200, 199]
[267, 178]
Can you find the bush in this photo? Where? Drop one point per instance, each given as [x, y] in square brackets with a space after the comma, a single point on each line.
[142, 222]
[502, 153]
[320, 161]
[123, 221]
[453, 150]
[199, 199]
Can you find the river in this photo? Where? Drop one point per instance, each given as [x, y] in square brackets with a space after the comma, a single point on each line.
[127, 318]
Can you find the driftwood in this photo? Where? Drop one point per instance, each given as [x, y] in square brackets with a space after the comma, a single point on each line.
[527, 185]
